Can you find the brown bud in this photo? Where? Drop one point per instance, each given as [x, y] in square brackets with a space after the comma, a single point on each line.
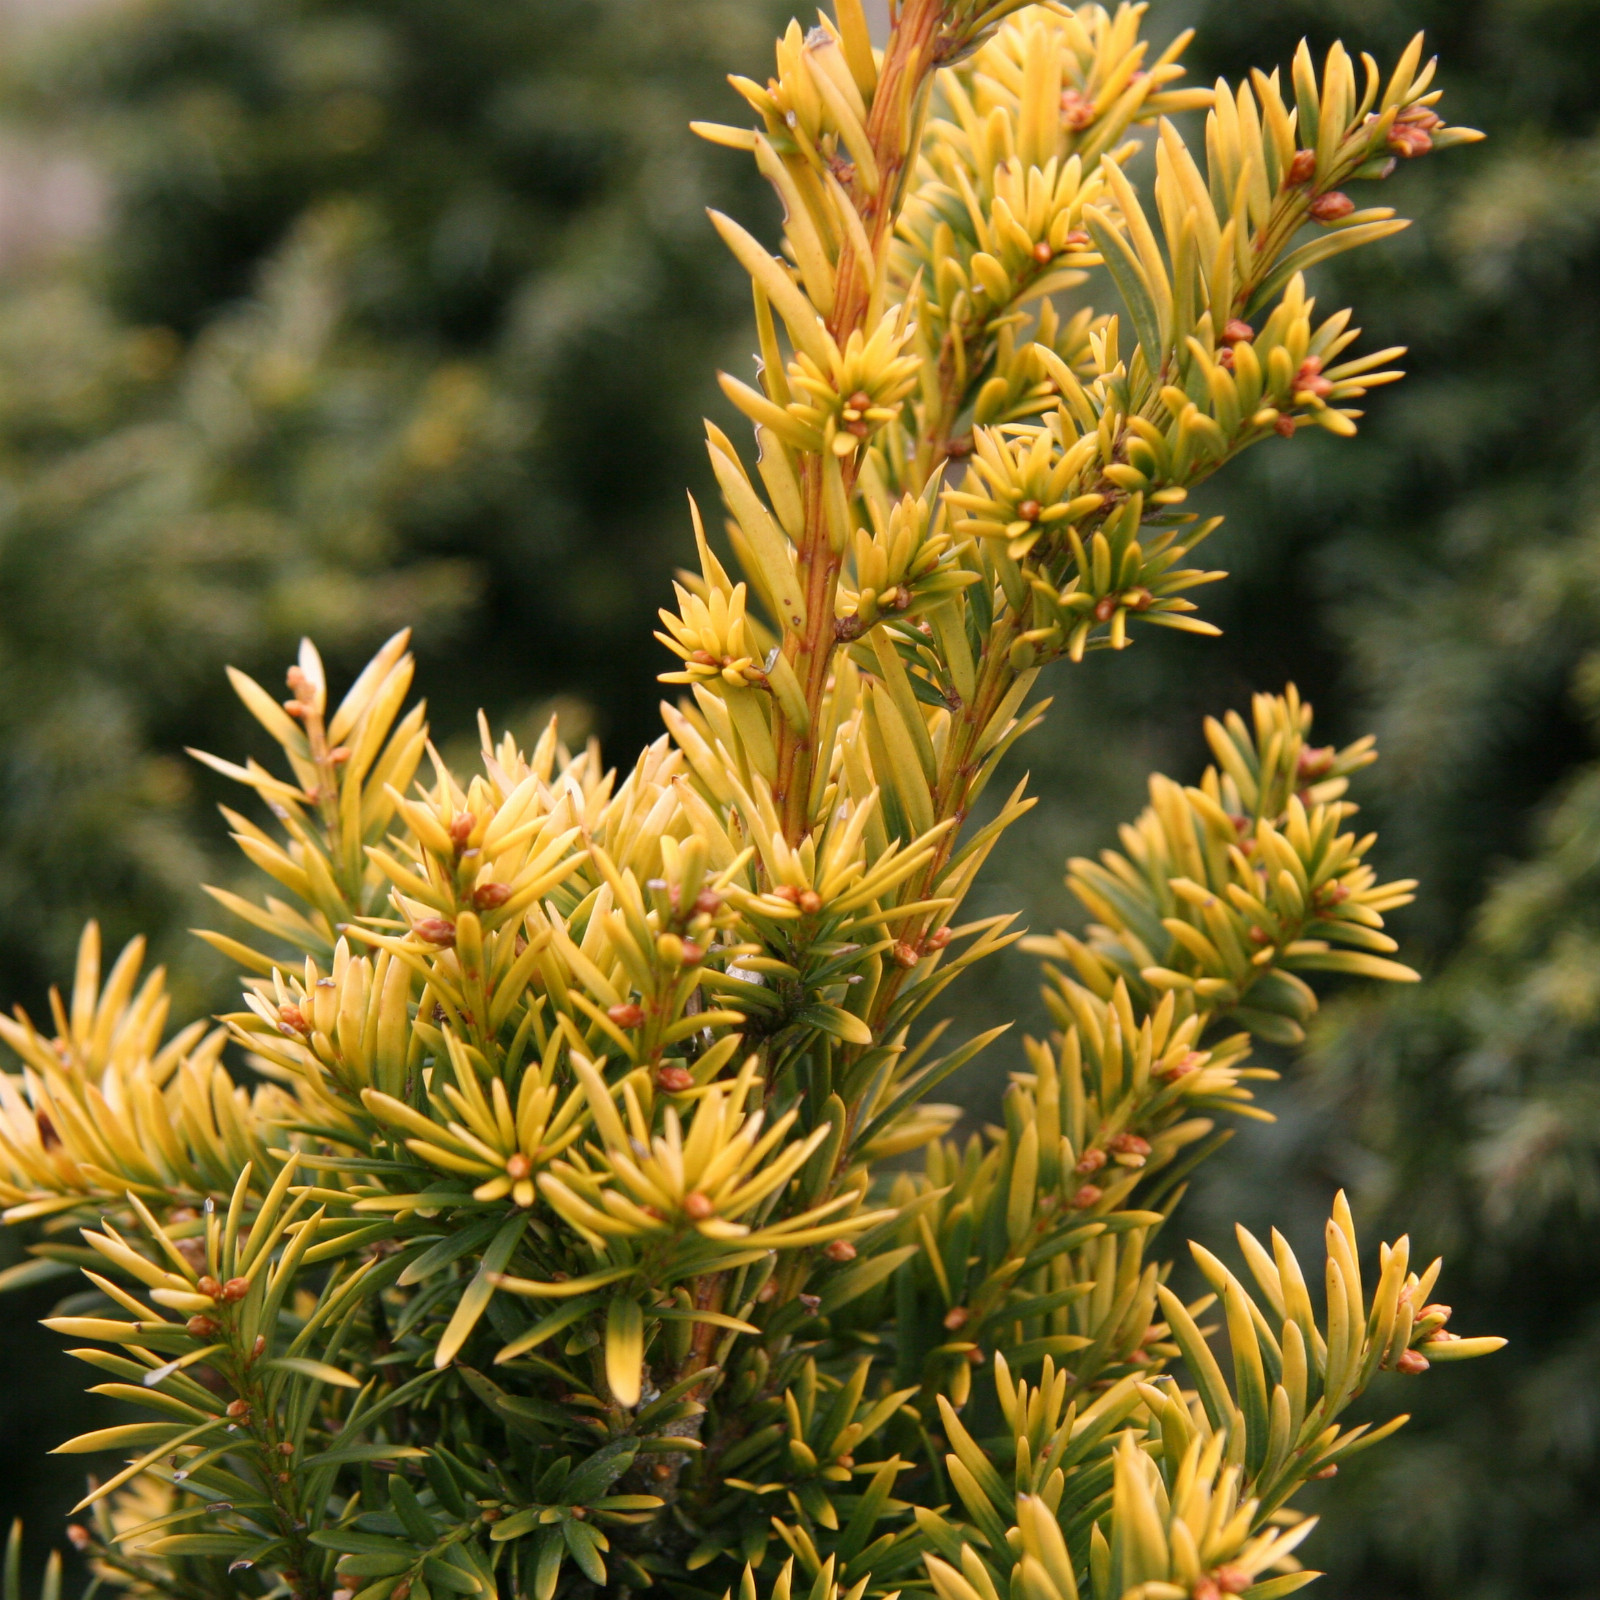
[1087, 1196]
[1260, 937]
[975, 1356]
[1407, 140]
[518, 1166]
[1412, 1362]
[1314, 764]
[906, 955]
[674, 1079]
[1232, 1580]
[768, 1292]
[285, 1448]
[787, 891]
[461, 826]
[627, 1015]
[201, 1327]
[1090, 1161]
[1329, 1471]
[1205, 1589]
[938, 939]
[209, 1286]
[491, 896]
[1332, 207]
[1440, 1312]
[238, 1409]
[1077, 240]
[1043, 254]
[708, 902]
[859, 401]
[693, 955]
[1105, 608]
[338, 755]
[48, 1137]
[810, 902]
[1131, 1144]
[1309, 370]
[78, 1536]
[436, 930]
[956, 1318]
[1238, 332]
[812, 1303]
[1423, 117]
[840, 1250]
[1302, 169]
[698, 1207]
[235, 1289]
[293, 1019]
[1190, 1061]
[1077, 110]
[259, 1348]
[1284, 427]
[1029, 510]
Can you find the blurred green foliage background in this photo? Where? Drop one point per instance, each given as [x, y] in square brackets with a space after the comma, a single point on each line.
[332, 315]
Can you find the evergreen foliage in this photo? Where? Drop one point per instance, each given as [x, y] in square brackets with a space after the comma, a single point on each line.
[1480, 1097]
[1441, 573]
[1438, 566]
[382, 285]
[555, 1248]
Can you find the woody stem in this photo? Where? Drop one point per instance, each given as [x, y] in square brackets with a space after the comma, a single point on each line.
[892, 126]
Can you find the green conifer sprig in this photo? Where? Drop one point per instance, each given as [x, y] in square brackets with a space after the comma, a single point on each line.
[553, 1249]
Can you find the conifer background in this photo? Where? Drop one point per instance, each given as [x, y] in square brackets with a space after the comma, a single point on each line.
[383, 291]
